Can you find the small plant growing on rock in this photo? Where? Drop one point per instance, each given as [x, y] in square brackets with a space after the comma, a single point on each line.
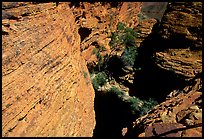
[148, 104]
[121, 26]
[116, 91]
[85, 74]
[125, 36]
[129, 56]
[101, 48]
[99, 80]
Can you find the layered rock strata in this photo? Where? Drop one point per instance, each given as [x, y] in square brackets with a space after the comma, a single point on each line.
[181, 32]
[46, 88]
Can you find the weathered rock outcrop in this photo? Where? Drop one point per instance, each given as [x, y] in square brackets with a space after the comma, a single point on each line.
[179, 116]
[97, 20]
[181, 32]
[46, 88]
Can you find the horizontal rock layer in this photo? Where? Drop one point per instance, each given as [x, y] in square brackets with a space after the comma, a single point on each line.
[181, 39]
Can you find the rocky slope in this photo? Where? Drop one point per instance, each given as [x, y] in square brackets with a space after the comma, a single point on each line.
[46, 88]
[179, 116]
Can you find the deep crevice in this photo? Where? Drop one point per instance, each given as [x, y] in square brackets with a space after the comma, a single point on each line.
[151, 81]
[111, 116]
[84, 32]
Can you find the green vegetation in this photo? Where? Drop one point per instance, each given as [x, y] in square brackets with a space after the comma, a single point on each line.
[101, 48]
[141, 17]
[129, 56]
[116, 91]
[148, 105]
[85, 74]
[99, 80]
[135, 105]
[121, 26]
[125, 37]
[100, 59]
[129, 36]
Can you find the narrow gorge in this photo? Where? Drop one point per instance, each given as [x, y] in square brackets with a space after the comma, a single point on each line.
[101, 69]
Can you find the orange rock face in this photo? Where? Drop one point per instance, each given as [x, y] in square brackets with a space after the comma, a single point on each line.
[101, 19]
[46, 88]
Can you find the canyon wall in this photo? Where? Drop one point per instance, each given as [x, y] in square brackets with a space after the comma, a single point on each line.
[46, 88]
[177, 50]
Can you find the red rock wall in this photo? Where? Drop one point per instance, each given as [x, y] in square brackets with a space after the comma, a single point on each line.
[46, 88]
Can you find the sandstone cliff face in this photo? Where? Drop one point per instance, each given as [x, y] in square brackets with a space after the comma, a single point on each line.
[97, 20]
[46, 88]
[181, 30]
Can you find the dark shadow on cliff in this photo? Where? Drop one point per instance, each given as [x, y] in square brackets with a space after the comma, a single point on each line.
[111, 116]
[151, 80]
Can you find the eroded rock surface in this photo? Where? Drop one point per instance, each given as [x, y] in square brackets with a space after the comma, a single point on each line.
[46, 88]
[180, 113]
[100, 19]
[181, 31]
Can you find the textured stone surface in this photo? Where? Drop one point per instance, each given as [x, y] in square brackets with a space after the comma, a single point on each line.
[158, 129]
[182, 55]
[181, 32]
[102, 19]
[128, 13]
[44, 90]
[183, 20]
[182, 109]
[144, 29]
[183, 62]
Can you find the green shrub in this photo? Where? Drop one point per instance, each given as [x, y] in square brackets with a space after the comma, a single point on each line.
[129, 55]
[129, 37]
[101, 48]
[150, 103]
[85, 74]
[116, 91]
[121, 26]
[135, 105]
[99, 80]
[123, 36]
[115, 40]
[100, 59]
[140, 107]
